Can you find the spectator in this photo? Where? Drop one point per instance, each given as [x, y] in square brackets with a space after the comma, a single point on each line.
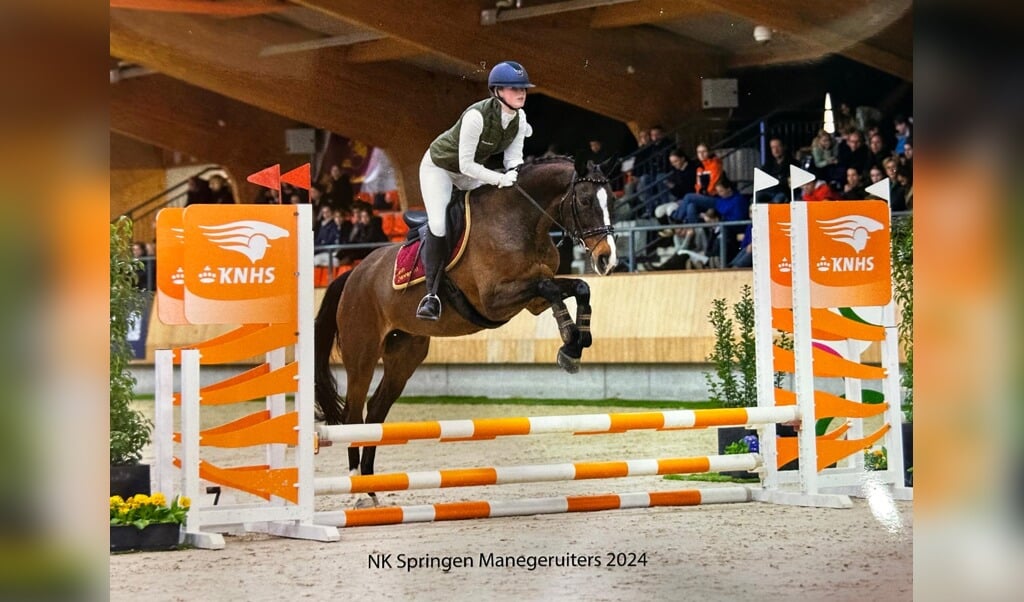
[818, 191]
[324, 217]
[745, 257]
[907, 158]
[877, 153]
[649, 167]
[853, 154]
[366, 229]
[220, 191]
[340, 194]
[902, 125]
[594, 153]
[845, 121]
[853, 190]
[901, 189]
[776, 166]
[730, 204]
[143, 278]
[198, 192]
[328, 234]
[709, 171]
[826, 157]
[680, 182]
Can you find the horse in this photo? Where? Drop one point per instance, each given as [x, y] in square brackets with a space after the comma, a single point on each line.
[508, 265]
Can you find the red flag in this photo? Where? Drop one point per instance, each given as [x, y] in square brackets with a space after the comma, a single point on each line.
[267, 178]
[298, 177]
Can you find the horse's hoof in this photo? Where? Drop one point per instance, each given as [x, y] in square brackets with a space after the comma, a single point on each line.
[569, 364]
[367, 502]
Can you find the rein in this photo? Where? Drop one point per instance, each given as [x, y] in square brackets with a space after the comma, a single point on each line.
[578, 235]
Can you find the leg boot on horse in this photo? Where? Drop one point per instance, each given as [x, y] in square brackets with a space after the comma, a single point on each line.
[435, 253]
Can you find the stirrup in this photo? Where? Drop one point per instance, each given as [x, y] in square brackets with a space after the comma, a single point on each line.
[429, 308]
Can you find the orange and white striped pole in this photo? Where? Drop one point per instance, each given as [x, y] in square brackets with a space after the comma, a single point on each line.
[570, 471]
[525, 507]
[397, 433]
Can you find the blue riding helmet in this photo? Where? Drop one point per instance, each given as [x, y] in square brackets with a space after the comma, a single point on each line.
[508, 74]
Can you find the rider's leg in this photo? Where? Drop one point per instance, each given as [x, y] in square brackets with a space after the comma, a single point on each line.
[436, 186]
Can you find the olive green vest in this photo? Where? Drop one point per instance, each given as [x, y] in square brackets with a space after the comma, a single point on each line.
[444, 150]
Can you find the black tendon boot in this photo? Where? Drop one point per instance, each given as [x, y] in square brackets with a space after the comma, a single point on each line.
[435, 251]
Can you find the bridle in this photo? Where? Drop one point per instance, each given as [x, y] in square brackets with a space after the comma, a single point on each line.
[576, 233]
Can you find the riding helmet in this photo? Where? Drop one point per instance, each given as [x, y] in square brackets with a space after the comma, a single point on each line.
[508, 74]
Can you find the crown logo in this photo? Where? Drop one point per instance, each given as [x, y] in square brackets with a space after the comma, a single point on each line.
[178, 277]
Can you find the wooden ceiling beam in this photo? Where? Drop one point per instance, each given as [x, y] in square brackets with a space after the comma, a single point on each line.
[644, 12]
[833, 27]
[620, 74]
[320, 88]
[388, 49]
[176, 116]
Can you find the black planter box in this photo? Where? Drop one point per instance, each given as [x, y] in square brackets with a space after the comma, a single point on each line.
[128, 480]
[728, 435]
[163, 536]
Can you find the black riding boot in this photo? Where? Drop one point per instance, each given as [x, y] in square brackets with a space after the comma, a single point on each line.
[435, 253]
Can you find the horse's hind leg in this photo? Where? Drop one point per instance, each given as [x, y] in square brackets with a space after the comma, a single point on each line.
[360, 350]
[403, 353]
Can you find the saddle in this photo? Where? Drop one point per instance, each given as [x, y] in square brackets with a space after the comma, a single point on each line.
[408, 267]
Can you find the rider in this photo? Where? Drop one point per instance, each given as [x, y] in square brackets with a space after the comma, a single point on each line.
[455, 158]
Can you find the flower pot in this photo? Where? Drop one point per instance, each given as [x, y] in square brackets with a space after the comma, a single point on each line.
[162, 536]
[127, 480]
[728, 435]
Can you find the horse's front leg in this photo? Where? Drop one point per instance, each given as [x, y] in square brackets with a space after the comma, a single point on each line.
[575, 334]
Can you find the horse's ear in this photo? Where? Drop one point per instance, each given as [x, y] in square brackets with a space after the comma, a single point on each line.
[607, 167]
[583, 167]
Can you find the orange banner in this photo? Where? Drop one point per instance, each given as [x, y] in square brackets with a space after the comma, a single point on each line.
[170, 266]
[850, 254]
[241, 264]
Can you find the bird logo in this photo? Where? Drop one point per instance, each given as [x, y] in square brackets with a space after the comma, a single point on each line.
[248, 237]
[854, 230]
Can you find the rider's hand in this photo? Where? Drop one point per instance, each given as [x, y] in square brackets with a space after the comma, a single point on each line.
[508, 178]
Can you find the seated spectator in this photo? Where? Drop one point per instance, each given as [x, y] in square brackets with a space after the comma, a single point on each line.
[853, 154]
[594, 153]
[776, 166]
[819, 190]
[853, 190]
[681, 181]
[901, 188]
[845, 120]
[907, 158]
[198, 192]
[325, 217]
[902, 125]
[648, 166]
[143, 270]
[220, 191]
[328, 234]
[826, 158]
[366, 229]
[877, 153]
[875, 175]
[745, 257]
[709, 171]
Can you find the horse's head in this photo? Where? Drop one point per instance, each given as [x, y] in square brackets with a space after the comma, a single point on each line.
[587, 215]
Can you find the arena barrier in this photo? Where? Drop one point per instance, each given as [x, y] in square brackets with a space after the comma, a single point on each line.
[782, 273]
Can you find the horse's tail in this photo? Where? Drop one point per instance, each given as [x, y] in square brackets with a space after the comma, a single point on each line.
[325, 334]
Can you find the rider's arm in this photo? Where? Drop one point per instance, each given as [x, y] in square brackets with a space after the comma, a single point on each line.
[469, 138]
[514, 152]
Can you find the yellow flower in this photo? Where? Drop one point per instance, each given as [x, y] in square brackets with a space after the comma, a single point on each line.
[158, 499]
[184, 501]
[116, 500]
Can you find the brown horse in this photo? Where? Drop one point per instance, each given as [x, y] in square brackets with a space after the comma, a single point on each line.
[508, 265]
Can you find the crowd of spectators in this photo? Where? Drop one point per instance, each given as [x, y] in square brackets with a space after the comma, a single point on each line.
[667, 187]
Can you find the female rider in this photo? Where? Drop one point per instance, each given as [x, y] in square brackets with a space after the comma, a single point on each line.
[456, 157]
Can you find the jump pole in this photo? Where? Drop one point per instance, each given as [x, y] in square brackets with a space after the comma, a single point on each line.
[531, 506]
[504, 475]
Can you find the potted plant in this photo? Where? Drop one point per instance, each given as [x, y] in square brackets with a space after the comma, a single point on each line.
[146, 522]
[129, 429]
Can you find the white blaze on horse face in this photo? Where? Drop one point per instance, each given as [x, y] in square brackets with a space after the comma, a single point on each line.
[602, 197]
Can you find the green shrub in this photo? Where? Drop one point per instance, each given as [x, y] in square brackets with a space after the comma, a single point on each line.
[734, 380]
[903, 291]
[129, 429]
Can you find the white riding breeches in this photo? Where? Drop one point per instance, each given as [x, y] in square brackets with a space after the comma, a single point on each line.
[436, 186]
